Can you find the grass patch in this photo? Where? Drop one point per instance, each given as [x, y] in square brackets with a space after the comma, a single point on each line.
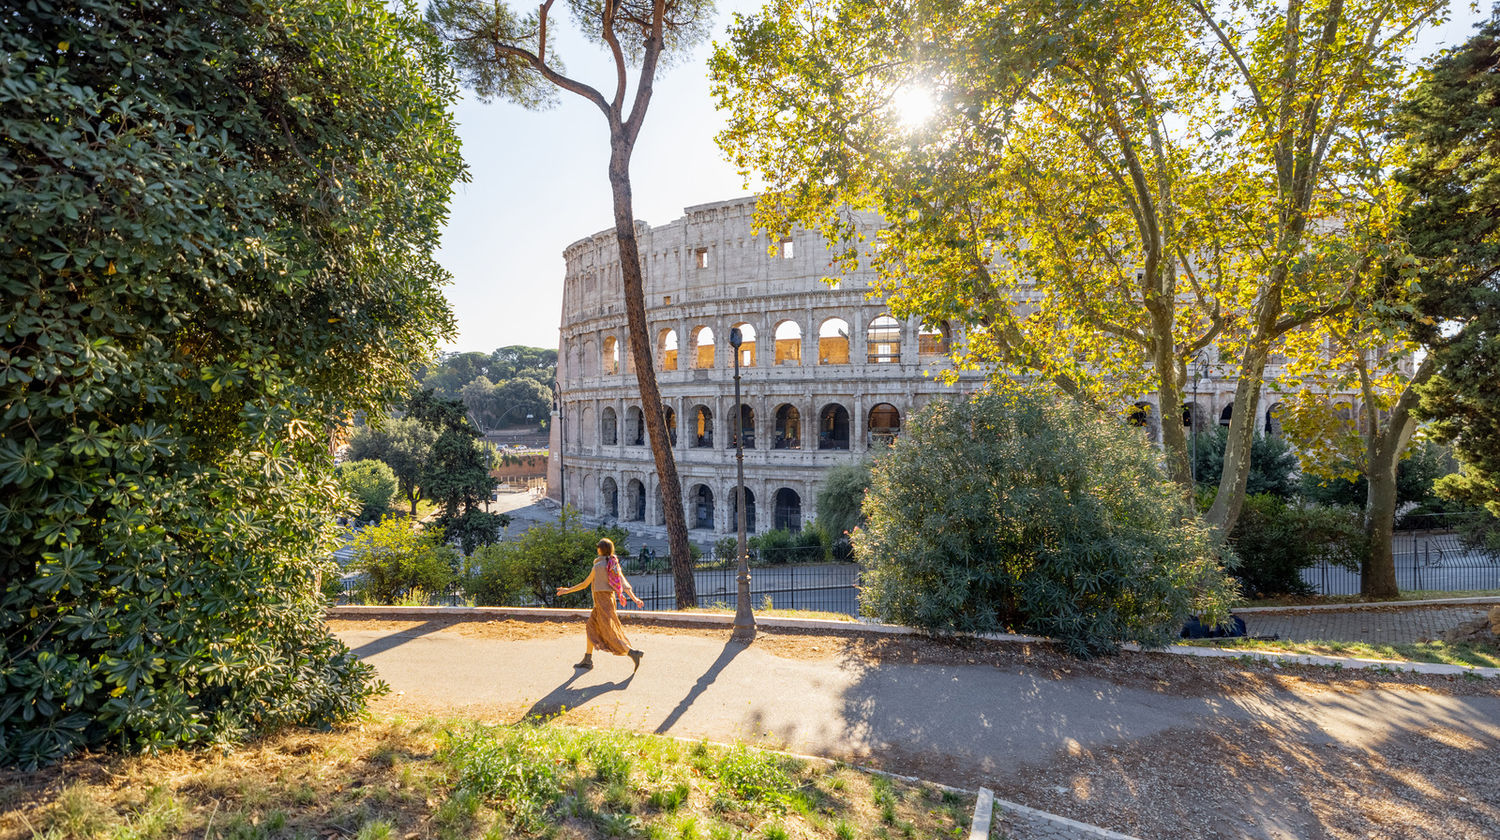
[1444, 653]
[455, 779]
[1414, 595]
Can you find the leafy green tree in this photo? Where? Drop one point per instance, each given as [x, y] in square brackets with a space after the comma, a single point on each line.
[217, 223]
[398, 560]
[1273, 463]
[405, 445]
[453, 371]
[530, 568]
[841, 499]
[457, 476]
[506, 54]
[517, 398]
[1451, 125]
[478, 397]
[1018, 511]
[1415, 477]
[1275, 541]
[372, 484]
[1151, 178]
[518, 362]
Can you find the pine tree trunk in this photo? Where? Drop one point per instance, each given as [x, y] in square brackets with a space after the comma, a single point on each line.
[645, 374]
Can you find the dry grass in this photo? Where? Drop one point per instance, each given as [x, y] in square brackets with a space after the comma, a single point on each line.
[447, 778]
[1446, 653]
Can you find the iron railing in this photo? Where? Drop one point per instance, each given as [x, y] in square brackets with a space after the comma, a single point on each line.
[1432, 553]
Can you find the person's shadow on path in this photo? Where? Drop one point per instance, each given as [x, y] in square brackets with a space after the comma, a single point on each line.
[566, 697]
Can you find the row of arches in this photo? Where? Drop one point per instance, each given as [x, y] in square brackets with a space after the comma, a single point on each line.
[1196, 418]
[701, 350]
[883, 424]
[630, 506]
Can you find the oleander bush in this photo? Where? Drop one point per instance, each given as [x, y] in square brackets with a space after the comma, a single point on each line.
[1016, 511]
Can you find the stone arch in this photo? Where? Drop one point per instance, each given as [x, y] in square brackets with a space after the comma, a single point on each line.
[1273, 419]
[635, 426]
[788, 337]
[833, 427]
[788, 432]
[609, 430]
[833, 342]
[883, 340]
[1143, 415]
[635, 501]
[747, 345]
[669, 416]
[587, 430]
[1194, 417]
[703, 348]
[609, 498]
[746, 429]
[610, 357]
[701, 428]
[884, 424]
[590, 358]
[701, 507]
[666, 348]
[1227, 415]
[935, 339]
[734, 510]
[788, 514]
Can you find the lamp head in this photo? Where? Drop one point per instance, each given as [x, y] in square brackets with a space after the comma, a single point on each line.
[735, 339]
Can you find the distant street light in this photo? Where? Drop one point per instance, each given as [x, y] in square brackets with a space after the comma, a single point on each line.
[1200, 362]
[744, 619]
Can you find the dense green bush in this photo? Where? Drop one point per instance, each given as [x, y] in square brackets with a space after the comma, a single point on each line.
[530, 568]
[217, 222]
[780, 546]
[1016, 511]
[396, 561]
[1275, 541]
[1273, 464]
[372, 484]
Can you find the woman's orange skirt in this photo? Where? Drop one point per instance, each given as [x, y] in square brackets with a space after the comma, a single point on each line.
[603, 627]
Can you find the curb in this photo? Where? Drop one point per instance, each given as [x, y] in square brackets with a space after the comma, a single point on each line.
[984, 806]
[722, 620]
[1373, 605]
[1073, 825]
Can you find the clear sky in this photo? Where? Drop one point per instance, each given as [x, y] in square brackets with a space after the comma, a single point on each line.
[538, 183]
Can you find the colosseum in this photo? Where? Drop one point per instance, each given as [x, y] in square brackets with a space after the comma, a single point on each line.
[827, 375]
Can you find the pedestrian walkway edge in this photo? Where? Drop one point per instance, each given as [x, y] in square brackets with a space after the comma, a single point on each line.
[1479, 600]
[984, 805]
[1084, 829]
[726, 620]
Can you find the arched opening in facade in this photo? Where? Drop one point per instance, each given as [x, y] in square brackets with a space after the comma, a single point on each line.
[703, 348]
[1345, 413]
[833, 342]
[883, 341]
[587, 429]
[1143, 415]
[635, 426]
[788, 343]
[609, 498]
[590, 358]
[935, 339]
[788, 516]
[1227, 415]
[1273, 420]
[611, 356]
[669, 416]
[885, 424]
[833, 427]
[666, 349]
[747, 345]
[788, 428]
[703, 506]
[1194, 418]
[608, 428]
[703, 428]
[635, 500]
[746, 431]
[734, 509]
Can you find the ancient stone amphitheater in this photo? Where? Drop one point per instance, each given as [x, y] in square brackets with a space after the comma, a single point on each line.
[827, 375]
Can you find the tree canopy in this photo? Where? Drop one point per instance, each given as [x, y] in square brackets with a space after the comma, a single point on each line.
[217, 226]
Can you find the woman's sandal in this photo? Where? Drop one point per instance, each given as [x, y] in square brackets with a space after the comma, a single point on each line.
[635, 657]
[588, 662]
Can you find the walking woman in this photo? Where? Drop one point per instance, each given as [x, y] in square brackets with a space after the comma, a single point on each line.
[603, 629]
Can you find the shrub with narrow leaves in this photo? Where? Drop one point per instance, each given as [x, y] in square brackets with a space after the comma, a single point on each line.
[217, 222]
[1018, 512]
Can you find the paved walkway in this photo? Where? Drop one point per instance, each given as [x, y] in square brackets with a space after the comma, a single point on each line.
[1020, 731]
[1382, 625]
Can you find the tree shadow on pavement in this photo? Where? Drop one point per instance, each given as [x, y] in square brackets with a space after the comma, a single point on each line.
[565, 697]
[737, 643]
[398, 638]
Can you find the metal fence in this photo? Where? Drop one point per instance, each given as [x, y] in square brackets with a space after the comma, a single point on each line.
[822, 587]
[1434, 553]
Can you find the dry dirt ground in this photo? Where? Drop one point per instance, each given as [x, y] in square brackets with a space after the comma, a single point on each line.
[1241, 779]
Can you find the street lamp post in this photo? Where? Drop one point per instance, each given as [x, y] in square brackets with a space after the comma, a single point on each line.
[1198, 365]
[744, 619]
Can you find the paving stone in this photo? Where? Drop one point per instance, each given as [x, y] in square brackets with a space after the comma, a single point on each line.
[1382, 626]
